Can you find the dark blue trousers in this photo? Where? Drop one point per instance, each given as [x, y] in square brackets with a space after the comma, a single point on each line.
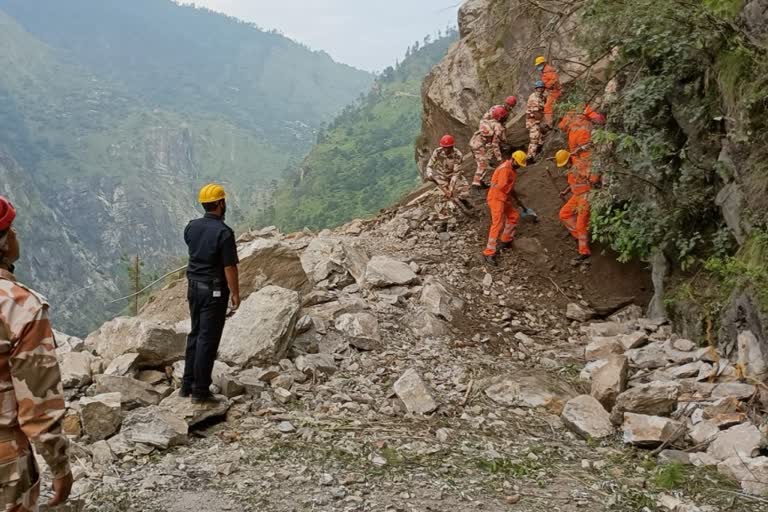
[208, 314]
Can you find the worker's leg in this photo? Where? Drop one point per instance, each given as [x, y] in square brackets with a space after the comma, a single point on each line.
[481, 158]
[582, 225]
[189, 360]
[213, 313]
[568, 215]
[20, 494]
[512, 217]
[549, 107]
[497, 225]
[534, 135]
[460, 187]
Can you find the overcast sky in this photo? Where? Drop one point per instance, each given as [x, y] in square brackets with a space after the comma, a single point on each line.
[368, 34]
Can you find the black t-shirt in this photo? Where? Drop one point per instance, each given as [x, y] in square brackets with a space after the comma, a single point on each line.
[211, 248]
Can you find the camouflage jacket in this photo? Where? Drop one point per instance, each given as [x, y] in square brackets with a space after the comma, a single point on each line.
[490, 134]
[31, 393]
[444, 166]
[535, 107]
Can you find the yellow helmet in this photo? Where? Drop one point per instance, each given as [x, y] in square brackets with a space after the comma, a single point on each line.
[211, 193]
[520, 158]
[562, 157]
[540, 60]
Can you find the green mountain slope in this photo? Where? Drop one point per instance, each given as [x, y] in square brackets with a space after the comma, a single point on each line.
[196, 61]
[101, 168]
[363, 161]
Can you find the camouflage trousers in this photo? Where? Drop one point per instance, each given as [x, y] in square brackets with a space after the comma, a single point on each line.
[483, 159]
[457, 184]
[534, 136]
[20, 483]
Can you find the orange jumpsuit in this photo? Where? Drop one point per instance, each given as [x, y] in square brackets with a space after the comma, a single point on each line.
[575, 213]
[504, 213]
[578, 129]
[551, 80]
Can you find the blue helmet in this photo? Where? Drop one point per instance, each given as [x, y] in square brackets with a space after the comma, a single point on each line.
[539, 84]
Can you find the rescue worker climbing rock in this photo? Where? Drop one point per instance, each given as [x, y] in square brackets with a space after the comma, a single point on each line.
[575, 213]
[551, 79]
[510, 103]
[486, 142]
[213, 278]
[503, 205]
[533, 118]
[577, 127]
[444, 169]
[31, 392]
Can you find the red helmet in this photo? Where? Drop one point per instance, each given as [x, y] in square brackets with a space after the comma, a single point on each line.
[447, 141]
[7, 214]
[511, 101]
[498, 112]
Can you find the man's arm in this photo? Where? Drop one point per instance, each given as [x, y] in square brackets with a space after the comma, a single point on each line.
[230, 260]
[233, 283]
[40, 397]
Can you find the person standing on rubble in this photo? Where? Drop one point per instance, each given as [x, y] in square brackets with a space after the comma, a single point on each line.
[486, 143]
[503, 205]
[31, 392]
[575, 213]
[213, 280]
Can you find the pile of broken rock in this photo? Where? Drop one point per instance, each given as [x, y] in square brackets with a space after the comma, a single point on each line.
[691, 404]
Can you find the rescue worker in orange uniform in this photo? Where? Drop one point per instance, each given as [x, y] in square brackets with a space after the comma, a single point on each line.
[551, 79]
[503, 204]
[577, 127]
[486, 142]
[575, 213]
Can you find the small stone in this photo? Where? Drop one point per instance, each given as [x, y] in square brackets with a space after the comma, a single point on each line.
[102, 453]
[155, 427]
[101, 415]
[610, 380]
[740, 441]
[286, 427]
[410, 388]
[585, 416]
[703, 432]
[326, 480]
[656, 398]
[750, 355]
[578, 313]
[674, 457]
[123, 365]
[513, 499]
[487, 281]
[684, 345]
[283, 395]
[602, 348]
[650, 431]
[443, 434]
[634, 340]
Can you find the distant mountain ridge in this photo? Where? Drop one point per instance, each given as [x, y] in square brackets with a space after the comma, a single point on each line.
[111, 117]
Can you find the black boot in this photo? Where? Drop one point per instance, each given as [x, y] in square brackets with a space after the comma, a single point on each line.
[503, 246]
[491, 260]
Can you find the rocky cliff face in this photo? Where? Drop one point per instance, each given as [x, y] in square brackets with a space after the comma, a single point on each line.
[494, 58]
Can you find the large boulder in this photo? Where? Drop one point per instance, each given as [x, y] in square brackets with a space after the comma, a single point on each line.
[414, 393]
[314, 365]
[101, 415]
[66, 343]
[156, 343]
[440, 300]
[265, 262]
[156, 427]
[333, 263]
[750, 355]
[75, 369]
[383, 271]
[586, 417]
[610, 380]
[133, 392]
[426, 325]
[261, 332]
[123, 365]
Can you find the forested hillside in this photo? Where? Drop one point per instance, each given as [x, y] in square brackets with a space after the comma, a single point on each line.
[113, 113]
[363, 160]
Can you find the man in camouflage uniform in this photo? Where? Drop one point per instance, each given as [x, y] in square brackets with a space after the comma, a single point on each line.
[443, 169]
[486, 142]
[31, 393]
[534, 116]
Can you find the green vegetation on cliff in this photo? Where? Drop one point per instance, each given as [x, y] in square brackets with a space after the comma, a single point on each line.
[363, 160]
